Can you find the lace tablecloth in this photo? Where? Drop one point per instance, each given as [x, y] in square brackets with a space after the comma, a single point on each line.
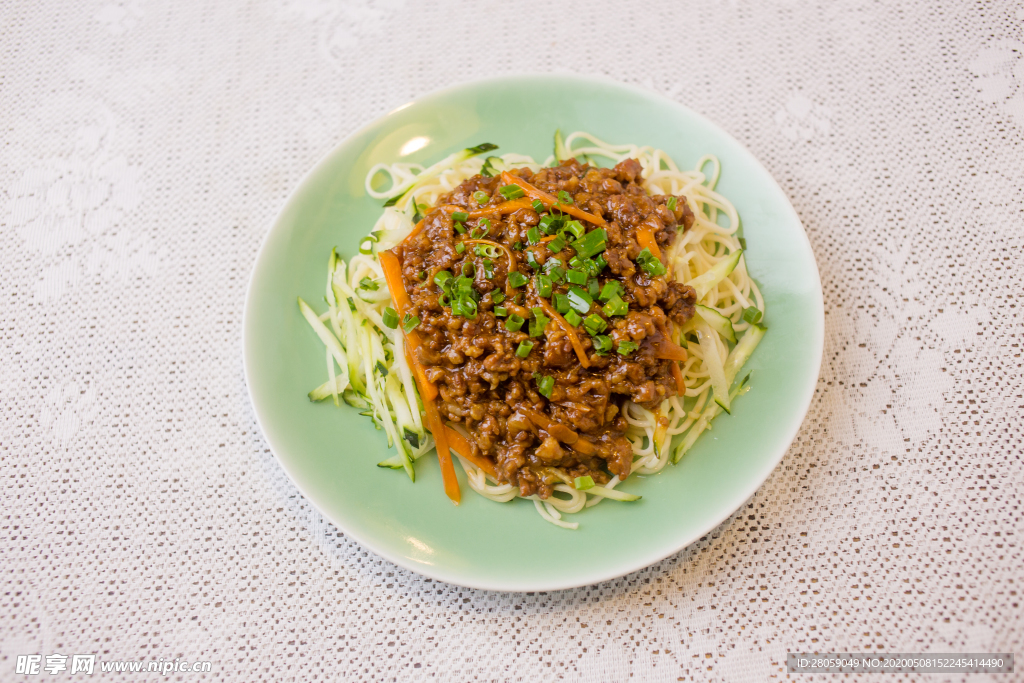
[147, 147]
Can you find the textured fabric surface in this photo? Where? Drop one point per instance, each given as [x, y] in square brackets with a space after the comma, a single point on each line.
[146, 148]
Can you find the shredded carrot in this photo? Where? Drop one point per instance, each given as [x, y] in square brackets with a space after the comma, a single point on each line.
[415, 231]
[444, 457]
[393, 275]
[549, 238]
[678, 375]
[668, 350]
[505, 207]
[570, 331]
[548, 200]
[645, 236]
[457, 441]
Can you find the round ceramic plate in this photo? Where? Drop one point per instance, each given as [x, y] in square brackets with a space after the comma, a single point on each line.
[331, 453]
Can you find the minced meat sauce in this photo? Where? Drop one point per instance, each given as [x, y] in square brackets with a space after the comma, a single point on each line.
[506, 400]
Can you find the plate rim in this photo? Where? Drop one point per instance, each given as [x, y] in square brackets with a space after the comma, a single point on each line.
[586, 579]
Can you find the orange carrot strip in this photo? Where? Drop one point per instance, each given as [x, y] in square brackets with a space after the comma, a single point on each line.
[438, 428]
[678, 375]
[505, 207]
[645, 236]
[393, 275]
[416, 230]
[461, 445]
[668, 350]
[549, 201]
[577, 345]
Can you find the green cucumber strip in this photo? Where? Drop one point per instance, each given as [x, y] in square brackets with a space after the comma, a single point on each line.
[718, 322]
[354, 399]
[613, 494]
[704, 421]
[350, 323]
[661, 430]
[329, 340]
[741, 352]
[432, 171]
[325, 391]
[713, 362]
[702, 284]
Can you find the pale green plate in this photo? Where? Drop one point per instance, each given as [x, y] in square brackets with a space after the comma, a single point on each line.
[331, 453]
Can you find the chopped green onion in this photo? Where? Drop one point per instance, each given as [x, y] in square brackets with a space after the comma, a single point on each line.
[533, 235]
[550, 224]
[441, 279]
[481, 197]
[460, 228]
[518, 246]
[556, 245]
[497, 297]
[512, 191]
[650, 263]
[751, 314]
[576, 228]
[594, 287]
[422, 275]
[390, 317]
[543, 283]
[538, 206]
[583, 483]
[671, 204]
[576, 277]
[580, 300]
[514, 323]
[460, 247]
[531, 259]
[557, 272]
[460, 216]
[488, 268]
[500, 311]
[562, 303]
[410, 323]
[564, 197]
[616, 306]
[600, 263]
[524, 348]
[545, 384]
[368, 284]
[627, 347]
[538, 322]
[602, 343]
[594, 242]
[468, 271]
[516, 279]
[573, 318]
[611, 289]
[595, 324]
[466, 307]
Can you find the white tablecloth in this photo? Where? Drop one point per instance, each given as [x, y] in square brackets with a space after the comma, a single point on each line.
[146, 148]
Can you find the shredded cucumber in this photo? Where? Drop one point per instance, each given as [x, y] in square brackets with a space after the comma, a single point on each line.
[703, 284]
[718, 322]
[714, 365]
[434, 170]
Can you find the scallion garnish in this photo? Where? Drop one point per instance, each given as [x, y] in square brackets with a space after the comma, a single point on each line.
[556, 245]
[441, 279]
[512, 191]
[650, 263]
[573, 318]
[481, 197]
[583, 483]
[602, 343]
[390, 317]
[516, 279]
[616, 306]
[488, 268]
[595, 324]
[671, 204]
[576, 277]
[580, 300]
[460, 247]
[518, 246]
[514, 322]
[562, 303]
[497, 297]
[531, 259]
[611, 289]
[460, 228]
[594, 287]
[594, 242]
[751, 314]
[410, 323]
[538, 206]
[460, 216]
[564, 197]
[627, 347]
[468, 270]
[543, 283]
[600, 263]
[500, 311]
[524, 348]
[545, 384]
[368, 284]
[533, 235]
[538, 322]
[576, 228]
